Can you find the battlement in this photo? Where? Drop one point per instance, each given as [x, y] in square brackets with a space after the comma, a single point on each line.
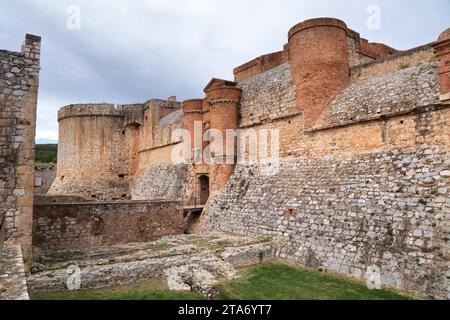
[90, 110]
[361, 49]
[170, 103]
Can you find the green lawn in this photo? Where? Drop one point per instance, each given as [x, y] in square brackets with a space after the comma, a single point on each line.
[284, 282]
[146, 290]
[271, 281]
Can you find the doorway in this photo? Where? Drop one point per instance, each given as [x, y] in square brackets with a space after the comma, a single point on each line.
[203, 182]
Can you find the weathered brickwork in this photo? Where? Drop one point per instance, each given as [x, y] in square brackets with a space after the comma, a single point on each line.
[82, 226]
[19, 81]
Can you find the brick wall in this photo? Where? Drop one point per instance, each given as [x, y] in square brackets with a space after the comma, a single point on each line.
[76, 226]
[19, 81]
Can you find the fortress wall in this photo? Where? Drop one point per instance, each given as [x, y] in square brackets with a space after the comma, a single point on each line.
[162, 131]
[94, 152]
[413, 57]
[160, 182]
[369, 194]
[153, 134]
[19, 82]
[85, 225]
[156, 156]
[260, 65]
[390, 93]
[267, 96]
[44, 175]
[158, 177]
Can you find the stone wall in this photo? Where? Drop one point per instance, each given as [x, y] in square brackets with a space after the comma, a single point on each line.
[77, 226]
[13, 283]
[19, 81]
[162, 131]
[368, 194]
[160, 182]
[394, 92]
[267, 96]
[410, 58]
[44, 175]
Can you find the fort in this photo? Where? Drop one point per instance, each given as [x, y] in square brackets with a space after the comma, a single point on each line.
[363, 176]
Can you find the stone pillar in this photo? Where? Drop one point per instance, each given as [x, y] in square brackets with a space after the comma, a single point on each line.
[223, 99]
[319, 64]
[442, 49]
[19, 82]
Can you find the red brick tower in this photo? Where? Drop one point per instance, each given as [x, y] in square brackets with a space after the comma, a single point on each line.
[223, 99]
[319, 64]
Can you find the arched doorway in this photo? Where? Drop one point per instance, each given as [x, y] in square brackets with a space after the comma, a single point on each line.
[203, 183]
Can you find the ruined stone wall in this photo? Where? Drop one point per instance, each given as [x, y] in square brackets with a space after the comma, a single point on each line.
[85, 225]
[44, 175]
[19, 81]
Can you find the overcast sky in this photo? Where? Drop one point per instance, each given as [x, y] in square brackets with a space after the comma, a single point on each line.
[130, 51]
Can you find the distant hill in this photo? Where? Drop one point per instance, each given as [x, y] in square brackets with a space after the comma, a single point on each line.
[46, 153]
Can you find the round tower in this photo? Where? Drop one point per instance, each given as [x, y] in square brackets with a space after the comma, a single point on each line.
[193, 113]
[223, 99]
[93, 152]
[319, 64]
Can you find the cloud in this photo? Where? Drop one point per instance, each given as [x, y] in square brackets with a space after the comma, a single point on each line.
[130, 51]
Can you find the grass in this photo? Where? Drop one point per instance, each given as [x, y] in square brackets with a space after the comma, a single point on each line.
[146, 290]
[270, 281]
[274, 281]
[404, 65]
